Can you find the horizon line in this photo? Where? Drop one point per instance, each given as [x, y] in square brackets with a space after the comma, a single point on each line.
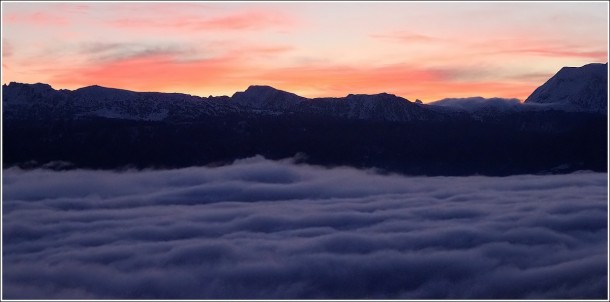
[263, 85]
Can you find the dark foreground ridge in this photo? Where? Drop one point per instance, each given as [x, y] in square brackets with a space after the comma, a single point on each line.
[559, 129]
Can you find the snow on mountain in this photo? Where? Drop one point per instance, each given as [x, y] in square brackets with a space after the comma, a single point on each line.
[24, 93]
[383, 106]
[41, 100]
[575, 88]
[479, 107]
[96, 101]
[266, 98]
[478, 103]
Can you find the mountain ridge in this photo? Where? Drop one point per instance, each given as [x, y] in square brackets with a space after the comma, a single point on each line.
[570, 89]
[106, 128]
[256, 99]
[582, 88]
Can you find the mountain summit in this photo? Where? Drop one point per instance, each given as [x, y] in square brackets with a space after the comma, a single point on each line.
[266, 97]
[577, 88]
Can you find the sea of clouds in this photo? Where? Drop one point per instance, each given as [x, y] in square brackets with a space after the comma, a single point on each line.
[261, 229]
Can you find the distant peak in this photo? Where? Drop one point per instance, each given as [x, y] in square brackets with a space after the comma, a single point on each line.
[576, 88]
[261, 88]
[265, 91]
[266, 97]
[378, 96]
[595, 64]
[26, 84]
[375, 94]
[94, 87]
[99, 88]
[586, 67]
[36, 86]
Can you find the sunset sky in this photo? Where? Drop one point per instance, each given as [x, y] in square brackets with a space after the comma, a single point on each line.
[424, 51]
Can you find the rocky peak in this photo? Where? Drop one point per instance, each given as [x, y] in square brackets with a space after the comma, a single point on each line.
[576, 88]
[266, 97]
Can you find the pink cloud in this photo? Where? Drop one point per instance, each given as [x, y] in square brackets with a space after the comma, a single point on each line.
[407, 37]
[246, 20]
[160, 8]
[7, 49]
[251, 20]
[596, 55]
[517, 43]
[525, 45]
[74, 8]
[36, 19]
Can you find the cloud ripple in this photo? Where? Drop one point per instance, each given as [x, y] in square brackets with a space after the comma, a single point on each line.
[274, 229]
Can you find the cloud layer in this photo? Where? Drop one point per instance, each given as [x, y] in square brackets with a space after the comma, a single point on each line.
[275, 229]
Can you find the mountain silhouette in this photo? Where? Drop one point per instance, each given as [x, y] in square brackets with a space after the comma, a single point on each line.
[575, 88]
[99, 127]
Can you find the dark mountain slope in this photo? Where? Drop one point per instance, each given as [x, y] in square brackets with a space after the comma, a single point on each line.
[576, 88]
[97, 127]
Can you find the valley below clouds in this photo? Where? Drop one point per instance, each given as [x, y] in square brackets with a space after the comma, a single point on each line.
[262, 229]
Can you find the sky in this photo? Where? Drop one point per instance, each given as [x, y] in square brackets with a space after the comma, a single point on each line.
[416, 50]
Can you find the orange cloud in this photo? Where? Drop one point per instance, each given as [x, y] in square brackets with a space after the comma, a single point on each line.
[503, 89]
[234, 72]
[405, 80]
[168, 69]
[158, 72]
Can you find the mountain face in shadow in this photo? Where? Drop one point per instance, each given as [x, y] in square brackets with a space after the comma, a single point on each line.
[575, 88]
[98, 127]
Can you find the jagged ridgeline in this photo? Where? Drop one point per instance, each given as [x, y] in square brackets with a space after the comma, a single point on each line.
[561, 127]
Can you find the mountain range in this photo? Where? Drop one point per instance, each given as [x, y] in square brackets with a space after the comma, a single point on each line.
[560, 127]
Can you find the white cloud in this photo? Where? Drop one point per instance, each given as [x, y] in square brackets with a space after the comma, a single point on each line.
[275, 229]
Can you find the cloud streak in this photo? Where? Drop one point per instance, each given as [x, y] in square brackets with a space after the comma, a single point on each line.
[543, 48]
[241, 20]
[407, 37]
[36, 19]
[276, 229]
